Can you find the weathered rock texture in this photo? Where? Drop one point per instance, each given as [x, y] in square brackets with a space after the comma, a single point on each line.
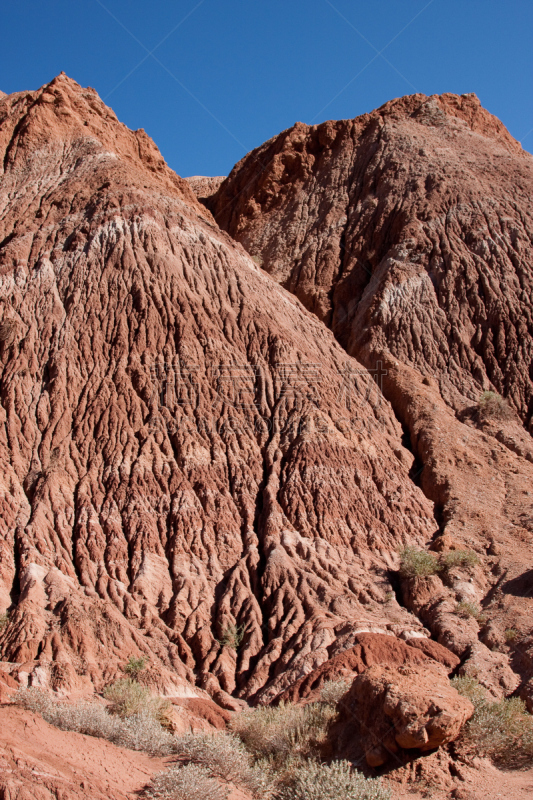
[179, 473]
[402, 708]
[408, 232]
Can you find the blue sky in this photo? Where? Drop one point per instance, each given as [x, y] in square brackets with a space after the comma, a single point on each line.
[228, 74]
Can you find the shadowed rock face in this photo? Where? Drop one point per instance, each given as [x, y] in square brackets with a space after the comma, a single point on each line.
[408, 232]
[178, 460]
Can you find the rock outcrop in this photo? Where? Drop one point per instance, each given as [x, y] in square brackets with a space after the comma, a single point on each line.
[180, 475]
[408, 232]
[403, 708]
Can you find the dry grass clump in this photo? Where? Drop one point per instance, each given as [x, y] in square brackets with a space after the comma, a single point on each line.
[459, 558]
[333, 691]
[492, 405]
[315, 781]
[281, 732]
[465, 609]
[232, 636]
[416, 563]
[3, 621]
[224, 756]
[501, 730]
[191, 782]
[140, 731]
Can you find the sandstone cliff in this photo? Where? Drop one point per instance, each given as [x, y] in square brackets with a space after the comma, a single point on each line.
[408, 232]
[192, 467]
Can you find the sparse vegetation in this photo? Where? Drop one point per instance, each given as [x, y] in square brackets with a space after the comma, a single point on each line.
[191, 782]
[4, 618]
[135, 666]
[141, 731]
[316, 781]
[418, 563]
[500, 730]
[128, 698]
[459, 558]
[332, 691]
[511, 635]
[278, 733]
[232, 636]
[466, 609]
[492, 405]
[224, 756]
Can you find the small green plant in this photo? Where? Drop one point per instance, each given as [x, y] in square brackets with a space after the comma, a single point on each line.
[466, 609]
[316, 781]
[333, 691]
[511, 635]
[459, 558]
[501, 730]
[417, 563]
[135, 666]
[492, 405]
[232, 636]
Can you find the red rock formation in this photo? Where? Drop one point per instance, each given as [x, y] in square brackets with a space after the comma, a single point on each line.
[372, 649]
[402, 708]
[179, 470]
[408, 231]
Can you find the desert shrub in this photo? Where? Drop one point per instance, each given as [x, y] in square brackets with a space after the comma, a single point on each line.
[492, 405]
[191, 782]
[140, 731]
[232, 636]
[470, 688]
[332, 691]
[511, 635]
[135, 666]
[417, 563]
[224, 756]
[459, 558]
[3, 621]
[128, 698]
[500, 730]
[277, 733]
[315, 781]
[466, 609]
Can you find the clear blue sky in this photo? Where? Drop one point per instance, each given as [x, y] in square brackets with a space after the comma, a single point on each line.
[233, 73]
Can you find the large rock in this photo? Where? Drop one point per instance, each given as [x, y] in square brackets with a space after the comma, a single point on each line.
[410, 707]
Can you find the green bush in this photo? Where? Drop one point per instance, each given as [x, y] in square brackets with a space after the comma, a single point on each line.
[501, 730]
[336, 781]
[135, 666]
[459, 558]
[417, 563]
[128, 698]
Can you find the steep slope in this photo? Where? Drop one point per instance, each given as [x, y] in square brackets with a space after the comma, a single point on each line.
[179, 468]
[408, 232]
